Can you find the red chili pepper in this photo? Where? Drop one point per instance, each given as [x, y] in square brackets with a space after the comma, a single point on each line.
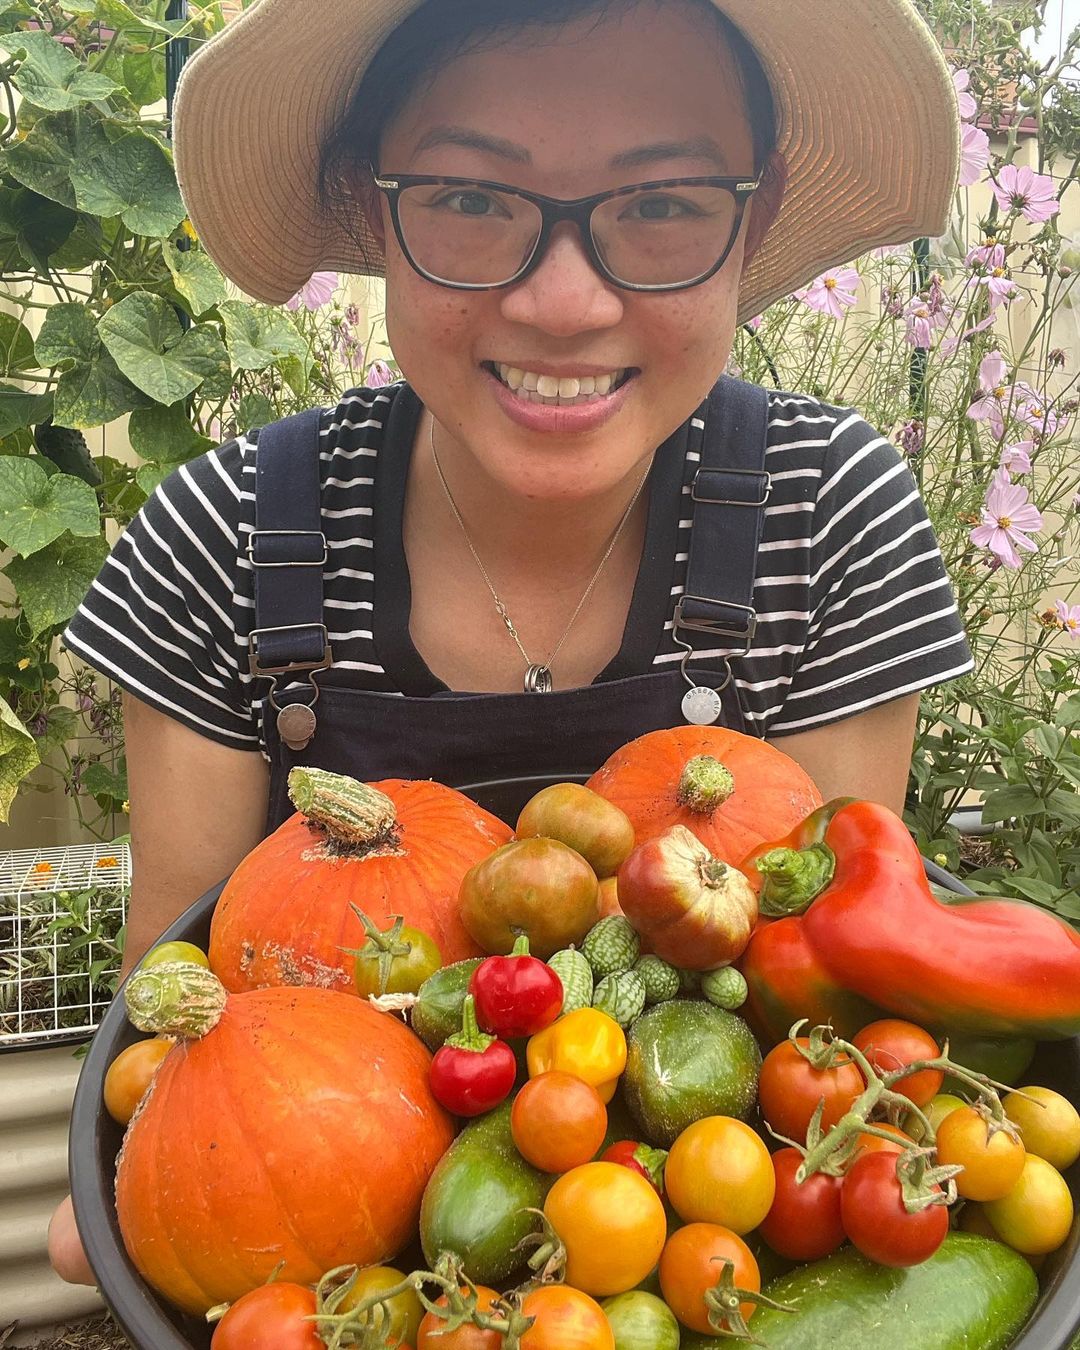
[516, 995]
[640, 1158]
[472, 1073]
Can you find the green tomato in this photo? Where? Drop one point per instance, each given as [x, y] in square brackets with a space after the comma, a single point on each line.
[641, 1321]
[941, 1106]
[407, 961]
[174, 951]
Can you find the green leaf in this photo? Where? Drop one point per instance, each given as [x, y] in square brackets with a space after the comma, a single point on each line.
[62, 725]
[67, 337]
[16, 346]
[36, 509]
[99, 780]
[50, 77]
[92, 395]
[18, 757]
[32, 228]
[1030, 888]
[164, 438]
[1068, 713]
[122, 496]
[144, 77]
[1007, 802]
[257, 336]
[116, 14]
[52, 583]
[144, 336]
[134, 179]
[254, 410]
[195, 277]
[1049, 740]
[21, 409]
[296, 373]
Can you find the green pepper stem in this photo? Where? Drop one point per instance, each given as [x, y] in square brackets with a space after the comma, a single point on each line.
[521, 945]
[794, 878]
[705, 785]
[470, 1037]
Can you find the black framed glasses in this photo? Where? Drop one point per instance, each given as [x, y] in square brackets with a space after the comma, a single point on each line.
[474, 235]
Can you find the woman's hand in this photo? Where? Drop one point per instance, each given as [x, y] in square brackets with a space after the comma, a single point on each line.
[66, 1254]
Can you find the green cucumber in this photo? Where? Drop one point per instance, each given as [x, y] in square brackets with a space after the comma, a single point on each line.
[611, 945]
[576, 976]
[972, 1294]
[661, 980]
[478, 1199]
[436, 1013]
[621, 996]
[685, 1060]
[726, 987]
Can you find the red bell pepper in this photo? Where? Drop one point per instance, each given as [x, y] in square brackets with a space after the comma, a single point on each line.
[472, 1073]
[647, 1162]
[876, 935]
[516, 995]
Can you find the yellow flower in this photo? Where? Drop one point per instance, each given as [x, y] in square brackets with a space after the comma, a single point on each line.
[125, 807]
[24, 664]
[42, 867]
[110, 861]
[187, 228]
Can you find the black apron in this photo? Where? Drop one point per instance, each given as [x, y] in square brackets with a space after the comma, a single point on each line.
[479, 741]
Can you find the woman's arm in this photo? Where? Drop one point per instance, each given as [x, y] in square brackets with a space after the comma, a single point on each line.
[866, 756]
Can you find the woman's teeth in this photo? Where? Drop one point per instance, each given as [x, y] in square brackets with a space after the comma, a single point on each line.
[564, 392]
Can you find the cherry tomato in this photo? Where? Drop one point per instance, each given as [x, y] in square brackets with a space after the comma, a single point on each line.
[876, 1221]
[1049, 1124]
[641, 1158]
[405, 1309]
[566, 1319]
[558, 1121]
[992, 1162]
[130, 1074]
[1037, 1214]
[790, 1089]
[973, 1220]
[406, 972]
[873, 1143]
[719, 1171]
[174, 951]
[612, 1224]
[940, 1106]
[431, 1335]
[804, 1222]
[272, 1315]
[693, 1262]
[890, 1044]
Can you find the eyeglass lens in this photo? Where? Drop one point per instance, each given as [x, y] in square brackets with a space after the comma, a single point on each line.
[475, 235]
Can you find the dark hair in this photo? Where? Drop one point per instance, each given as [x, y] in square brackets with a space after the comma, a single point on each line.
[443, 29]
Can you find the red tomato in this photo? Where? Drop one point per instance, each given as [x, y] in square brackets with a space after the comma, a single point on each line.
[873, 1143]
[431, 1335]
[890, 1044]
[872, 1208]
[641, 1158]
[790, 1089]
[692, 1263]
[558, 1121]
[272, 1315]
[804, 1222]
[566, 1319]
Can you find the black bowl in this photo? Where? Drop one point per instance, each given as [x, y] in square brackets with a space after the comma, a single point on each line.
[150, 1324]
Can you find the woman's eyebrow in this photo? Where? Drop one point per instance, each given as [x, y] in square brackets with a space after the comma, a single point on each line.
[698, 147]
[473, 140]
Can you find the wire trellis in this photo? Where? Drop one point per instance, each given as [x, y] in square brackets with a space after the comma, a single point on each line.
[61, 912]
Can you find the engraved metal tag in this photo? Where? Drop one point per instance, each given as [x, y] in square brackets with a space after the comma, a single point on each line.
[701, 705]
[296, 725]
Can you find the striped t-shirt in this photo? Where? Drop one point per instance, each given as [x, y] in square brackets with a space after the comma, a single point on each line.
[854, 605]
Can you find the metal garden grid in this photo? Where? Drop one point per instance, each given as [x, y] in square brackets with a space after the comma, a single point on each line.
[60, 908]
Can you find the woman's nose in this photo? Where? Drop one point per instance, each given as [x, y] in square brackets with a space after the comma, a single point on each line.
[565, 294]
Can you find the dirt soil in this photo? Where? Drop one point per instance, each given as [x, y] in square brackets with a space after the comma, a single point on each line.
[101, 1333]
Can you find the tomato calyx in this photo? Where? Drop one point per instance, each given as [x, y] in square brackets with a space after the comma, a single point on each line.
[473, 1071]
[793, 878]
[390, 945]
[921, 1184]
[516, 995]
[548, 1261]
[724, 1302]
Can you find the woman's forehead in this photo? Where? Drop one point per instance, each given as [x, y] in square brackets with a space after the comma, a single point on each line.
[607, 92]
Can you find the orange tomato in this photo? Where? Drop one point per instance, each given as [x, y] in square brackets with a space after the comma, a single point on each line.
[612, 1224]
[790, 1089]
[992, 1163]
[891, 1043]
[558, 1121]
[130, 1074]
[873, 1143]
[468, 1337]
[693, 1262]
[719, 1171]
[566, 1319]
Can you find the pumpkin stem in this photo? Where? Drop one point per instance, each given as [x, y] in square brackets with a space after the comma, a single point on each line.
[178, 998]
[352, 814]
[705, 785]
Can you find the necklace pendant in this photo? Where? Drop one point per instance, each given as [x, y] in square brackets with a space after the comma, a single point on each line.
[701, 705]
[538, 680]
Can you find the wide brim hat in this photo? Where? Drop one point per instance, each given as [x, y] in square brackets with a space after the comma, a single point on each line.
[867, 123]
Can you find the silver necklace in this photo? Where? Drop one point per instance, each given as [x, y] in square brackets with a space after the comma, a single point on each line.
[537, 674]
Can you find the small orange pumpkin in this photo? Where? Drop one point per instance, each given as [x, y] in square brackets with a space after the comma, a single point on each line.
[395, 847]
[291, 1126]
[733, 791]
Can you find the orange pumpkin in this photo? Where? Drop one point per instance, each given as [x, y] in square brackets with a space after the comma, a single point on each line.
[395, 847]
[733, 791]
[290, 1126]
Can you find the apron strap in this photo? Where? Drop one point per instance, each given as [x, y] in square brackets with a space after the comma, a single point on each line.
[287, 549]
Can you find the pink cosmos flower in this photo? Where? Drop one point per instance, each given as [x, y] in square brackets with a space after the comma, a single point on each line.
[378, 375]
[1069, 616]
[1021, 189]
[987, 254]
[831, 292]
[1036, 411]
[317, 291]
[950, 344]
[974, 154]
[1007, 514]
[965, 101]
[1017, 458]
[755, 323]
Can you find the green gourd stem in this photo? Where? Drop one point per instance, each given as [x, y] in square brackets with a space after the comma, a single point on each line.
[705, 785]
[178, 998]
[470, 1037]
[794, 878]
[350, 812]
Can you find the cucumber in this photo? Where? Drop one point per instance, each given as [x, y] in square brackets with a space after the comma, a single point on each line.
[972, 1294]
[726, 987]
[685, 1060]
[661, 980]
[621, 996]
[611, 945]
[478, 1199]
[576, 976]
[436, 1013]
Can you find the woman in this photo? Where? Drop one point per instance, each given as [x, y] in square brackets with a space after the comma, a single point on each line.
[519, 515]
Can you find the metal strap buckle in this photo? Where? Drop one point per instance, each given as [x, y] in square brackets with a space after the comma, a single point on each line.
[764, 478]
[714, 627]
[253, 650]
[308, 534]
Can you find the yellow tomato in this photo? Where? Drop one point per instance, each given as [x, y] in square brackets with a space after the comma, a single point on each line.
[992, 1160]
[405, 1309]
[1037, 1213]
[130, 1075]
[1048, 1123]
[719, 1171]
[612, 1224]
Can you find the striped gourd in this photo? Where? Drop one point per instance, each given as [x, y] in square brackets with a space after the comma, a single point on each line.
[611, 945]
[621, 996]
[577, 978]
[726, 987]
[661, 980]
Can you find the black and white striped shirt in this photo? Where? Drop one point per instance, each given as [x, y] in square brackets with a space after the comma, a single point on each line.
[854, 605]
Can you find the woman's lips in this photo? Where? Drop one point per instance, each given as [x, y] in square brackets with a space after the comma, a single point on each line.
[564, 419]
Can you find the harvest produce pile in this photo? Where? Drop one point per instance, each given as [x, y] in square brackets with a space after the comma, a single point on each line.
[687, 1058]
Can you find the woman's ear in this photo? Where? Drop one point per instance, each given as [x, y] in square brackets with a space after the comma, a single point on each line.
[765, 204]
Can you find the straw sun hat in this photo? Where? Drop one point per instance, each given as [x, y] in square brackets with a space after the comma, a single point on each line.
[866, 115]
